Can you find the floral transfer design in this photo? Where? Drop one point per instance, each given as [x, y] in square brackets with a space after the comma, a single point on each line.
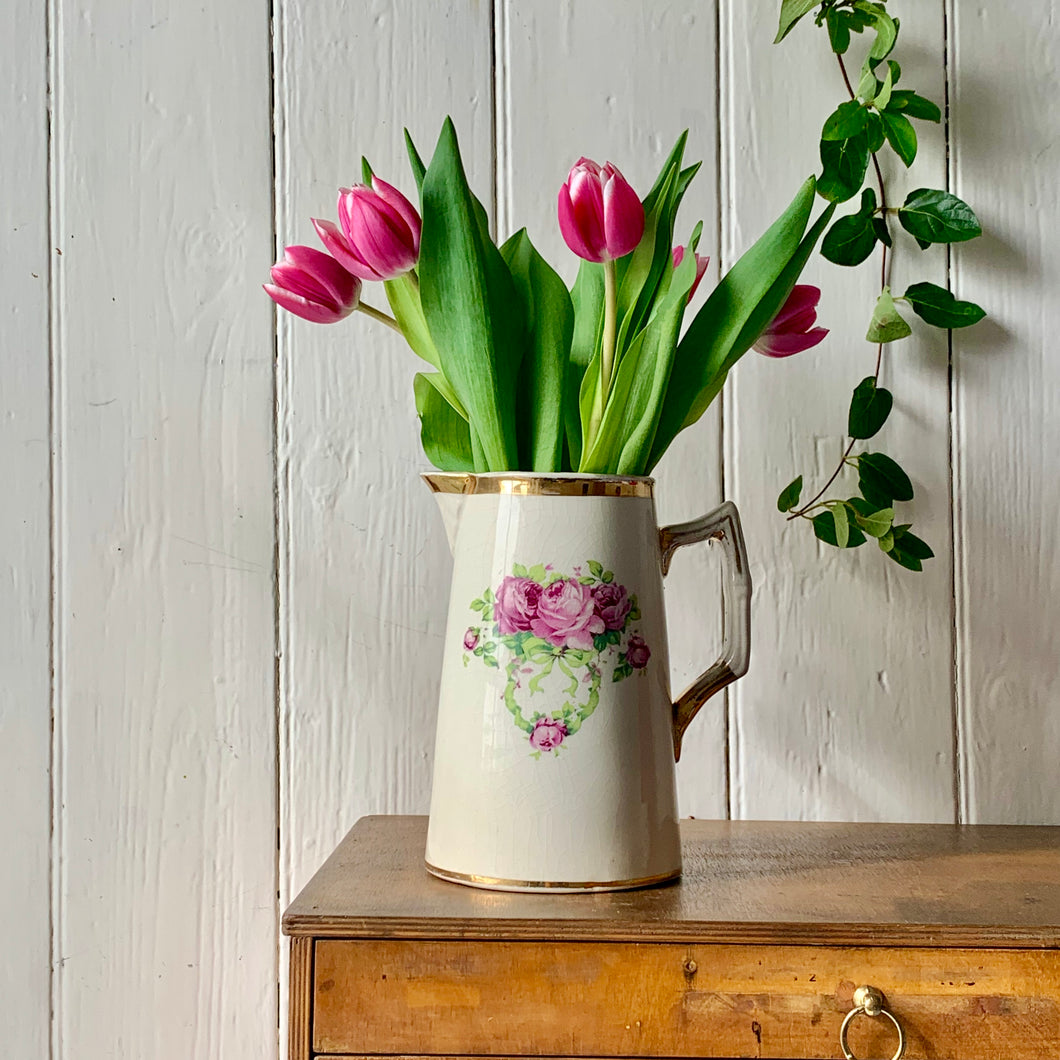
[538, 621]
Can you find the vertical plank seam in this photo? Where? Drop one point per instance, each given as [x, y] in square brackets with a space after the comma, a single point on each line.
[730, 728]
[494, 120]
[274, 109]
[51, 22]
[500, 87]
[281, 156]
[956, 552]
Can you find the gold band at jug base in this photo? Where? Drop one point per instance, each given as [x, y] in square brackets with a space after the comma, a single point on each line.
[495, 883]
[517, 484]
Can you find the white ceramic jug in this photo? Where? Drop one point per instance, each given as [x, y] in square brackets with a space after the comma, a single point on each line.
[557, 734]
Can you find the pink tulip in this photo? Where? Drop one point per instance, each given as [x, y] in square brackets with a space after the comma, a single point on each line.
[792, 329]
[313, 286]
[379, 237]
[600, 216]
[701, 267]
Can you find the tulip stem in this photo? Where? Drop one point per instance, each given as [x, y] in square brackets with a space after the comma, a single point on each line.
[607, 352]
[378, 314]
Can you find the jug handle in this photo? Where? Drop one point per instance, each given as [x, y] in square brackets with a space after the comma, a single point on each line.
[721, 525]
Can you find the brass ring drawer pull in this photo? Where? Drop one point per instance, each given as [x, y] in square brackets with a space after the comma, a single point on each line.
[868, 1001]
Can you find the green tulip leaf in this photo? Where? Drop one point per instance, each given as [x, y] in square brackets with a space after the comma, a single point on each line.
[549, 317]
[445, 436]
[471, 306]
[750, 294]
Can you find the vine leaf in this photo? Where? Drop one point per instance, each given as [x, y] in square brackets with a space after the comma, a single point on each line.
[844, 163]
[887, 323]
[913, 105]
[882, 481]
[852, 238]
[824, 526]
[848, 119]
[938, 217]
[869, 408]
[789, 495]
[900, 135]
[938, 307]
[790, 13]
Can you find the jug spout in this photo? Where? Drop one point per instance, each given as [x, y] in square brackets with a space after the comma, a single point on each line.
[448, 490]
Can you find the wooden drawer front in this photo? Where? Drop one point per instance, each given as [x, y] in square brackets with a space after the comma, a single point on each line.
[662, 999]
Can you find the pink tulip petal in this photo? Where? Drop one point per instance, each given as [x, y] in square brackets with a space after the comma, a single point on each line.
[302, 307]
[381, 236]
[784, 345]
[701, 271]
[587, 202]
[678, 255]
[316, 276]
[803, 296]
[392, 197]
[341, 251]
[794, 323]
[569, 228]
[623, 214]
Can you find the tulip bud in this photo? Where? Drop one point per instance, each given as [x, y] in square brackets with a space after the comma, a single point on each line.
[379, 237]
[600, 216]
[313, 286]
[792, 329]
[701, 267]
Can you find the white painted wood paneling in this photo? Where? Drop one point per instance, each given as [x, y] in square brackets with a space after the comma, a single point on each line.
[847, 710]
[1007, 430]
[565, 93]
[25, 563]
[364, 564]
[202, 506]
[166, 822]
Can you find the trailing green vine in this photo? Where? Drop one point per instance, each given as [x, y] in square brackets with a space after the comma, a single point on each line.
[877, 114]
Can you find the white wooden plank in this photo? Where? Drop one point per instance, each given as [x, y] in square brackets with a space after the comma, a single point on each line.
[364, 564]
[167, 926]
[25, 564]
[620, 81]
[847, 710]
[1007, 431]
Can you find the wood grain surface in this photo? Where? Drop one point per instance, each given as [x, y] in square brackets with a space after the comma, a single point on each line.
[755, 882]
[300, 999]
[685, 1000]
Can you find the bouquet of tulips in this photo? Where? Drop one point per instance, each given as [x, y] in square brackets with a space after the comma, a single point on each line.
[526, 375]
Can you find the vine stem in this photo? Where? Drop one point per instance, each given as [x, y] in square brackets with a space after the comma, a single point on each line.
[884, 278]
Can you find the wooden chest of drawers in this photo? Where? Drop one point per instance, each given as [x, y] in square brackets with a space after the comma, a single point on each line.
[757, 952]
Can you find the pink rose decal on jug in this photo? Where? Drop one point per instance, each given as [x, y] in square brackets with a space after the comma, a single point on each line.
[539, 625]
